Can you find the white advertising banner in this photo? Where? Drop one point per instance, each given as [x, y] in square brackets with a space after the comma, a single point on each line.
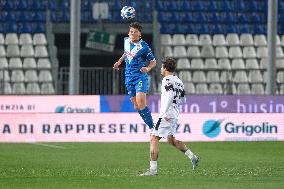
[129, 127]
[50, 104]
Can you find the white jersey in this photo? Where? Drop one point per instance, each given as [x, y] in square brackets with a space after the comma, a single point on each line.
[172, 96]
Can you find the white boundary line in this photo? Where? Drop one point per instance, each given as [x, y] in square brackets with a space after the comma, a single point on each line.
[47, 145]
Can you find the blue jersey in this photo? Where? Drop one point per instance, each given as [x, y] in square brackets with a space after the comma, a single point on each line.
[137, 55]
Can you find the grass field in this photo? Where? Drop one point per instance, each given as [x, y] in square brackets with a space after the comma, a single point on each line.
[116, 165]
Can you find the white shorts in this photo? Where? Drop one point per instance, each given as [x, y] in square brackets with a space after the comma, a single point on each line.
[166, 128]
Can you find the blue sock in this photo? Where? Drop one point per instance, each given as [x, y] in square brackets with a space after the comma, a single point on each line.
[147, 117]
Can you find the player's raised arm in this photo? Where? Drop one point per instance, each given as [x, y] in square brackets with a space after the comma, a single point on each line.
[117, 64]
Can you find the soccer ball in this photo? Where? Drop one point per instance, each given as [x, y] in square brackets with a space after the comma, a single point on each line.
[127, 13]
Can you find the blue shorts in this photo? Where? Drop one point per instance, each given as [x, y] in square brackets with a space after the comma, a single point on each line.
[140, 85]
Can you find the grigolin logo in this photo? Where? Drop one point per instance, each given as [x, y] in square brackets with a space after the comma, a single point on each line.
[67, 109]
[211, 128]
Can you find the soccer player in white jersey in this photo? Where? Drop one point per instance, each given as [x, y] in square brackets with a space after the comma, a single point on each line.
[172, 95]
[139, 61]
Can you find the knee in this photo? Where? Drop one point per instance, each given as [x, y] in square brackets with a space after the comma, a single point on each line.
[171, 141]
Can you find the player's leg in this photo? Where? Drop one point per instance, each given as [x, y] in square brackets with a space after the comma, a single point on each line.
[154, 153]
[182, 147]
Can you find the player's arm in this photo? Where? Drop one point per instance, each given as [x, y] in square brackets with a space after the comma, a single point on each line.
[151, 65]
[120, 60]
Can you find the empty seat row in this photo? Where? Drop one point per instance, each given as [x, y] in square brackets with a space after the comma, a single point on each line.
[29, 88]
[236, 63]
[27, 76]
[231, 39]
[219, 52]
[39, 51]
[23, 39]
[235, 89]
[26, 63]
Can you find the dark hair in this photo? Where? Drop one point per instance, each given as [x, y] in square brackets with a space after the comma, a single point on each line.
[136, 25]
[169, 64]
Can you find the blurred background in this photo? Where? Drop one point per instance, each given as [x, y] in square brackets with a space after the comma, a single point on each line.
[221, 46]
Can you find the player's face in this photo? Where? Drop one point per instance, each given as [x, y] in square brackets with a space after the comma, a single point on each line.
[134, 35]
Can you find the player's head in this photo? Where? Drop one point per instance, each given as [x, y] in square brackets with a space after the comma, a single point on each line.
[135, 30]
[169, 64]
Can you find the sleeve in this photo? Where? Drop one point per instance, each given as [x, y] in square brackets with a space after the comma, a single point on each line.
[167, 97]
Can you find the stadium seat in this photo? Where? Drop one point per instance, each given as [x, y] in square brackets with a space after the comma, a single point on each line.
[4, 76]
[185, 76]
[15, 63]
[221, 52]
[215, 88]
[213, 77]
[189, 88]
[249, 52]
[166, 39]
[11, 39]
[232, 39]
[224, 63]
[2, 39]
[43, 63]
[260, 40]
[280, 63]
[198, 77]
[219, 40]
[3, 63]
[207, 51]
[240, 77]
[279, 52]
[17, 76]
[243, 88]
[41, 51]
[201, 88]
[31, 76]
[238, 63]
[18, 89]
[33, 89]
[44, 76]
[210, 63]
[13, 51]
[205, 39]
[47, 89]
[179, 52]
[2, 51]
[25, 39]
[235, 52]
[252, 64]
[178, 39]
[192, 39]
[261, 52]
[280, 77]
[255, 76]
[183, 63]
[7, 88]
[263, 63]
[193, 52]
[167, 51]
[197, 63]
[29, 63]
[257, 89]
[39, 39]
[27, 51]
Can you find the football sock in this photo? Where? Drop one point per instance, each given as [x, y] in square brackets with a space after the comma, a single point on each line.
[189, 153]
[147, 117]
[153, 165]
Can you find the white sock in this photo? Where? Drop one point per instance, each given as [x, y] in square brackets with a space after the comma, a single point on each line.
[189, 153]
[153, 165]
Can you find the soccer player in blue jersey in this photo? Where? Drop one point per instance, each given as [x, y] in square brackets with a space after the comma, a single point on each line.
[139, 61]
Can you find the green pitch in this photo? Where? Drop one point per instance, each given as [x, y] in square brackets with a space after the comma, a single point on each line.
[116, 165]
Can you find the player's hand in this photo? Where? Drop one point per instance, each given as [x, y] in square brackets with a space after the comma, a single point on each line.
[116, 65]
[145, 69]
